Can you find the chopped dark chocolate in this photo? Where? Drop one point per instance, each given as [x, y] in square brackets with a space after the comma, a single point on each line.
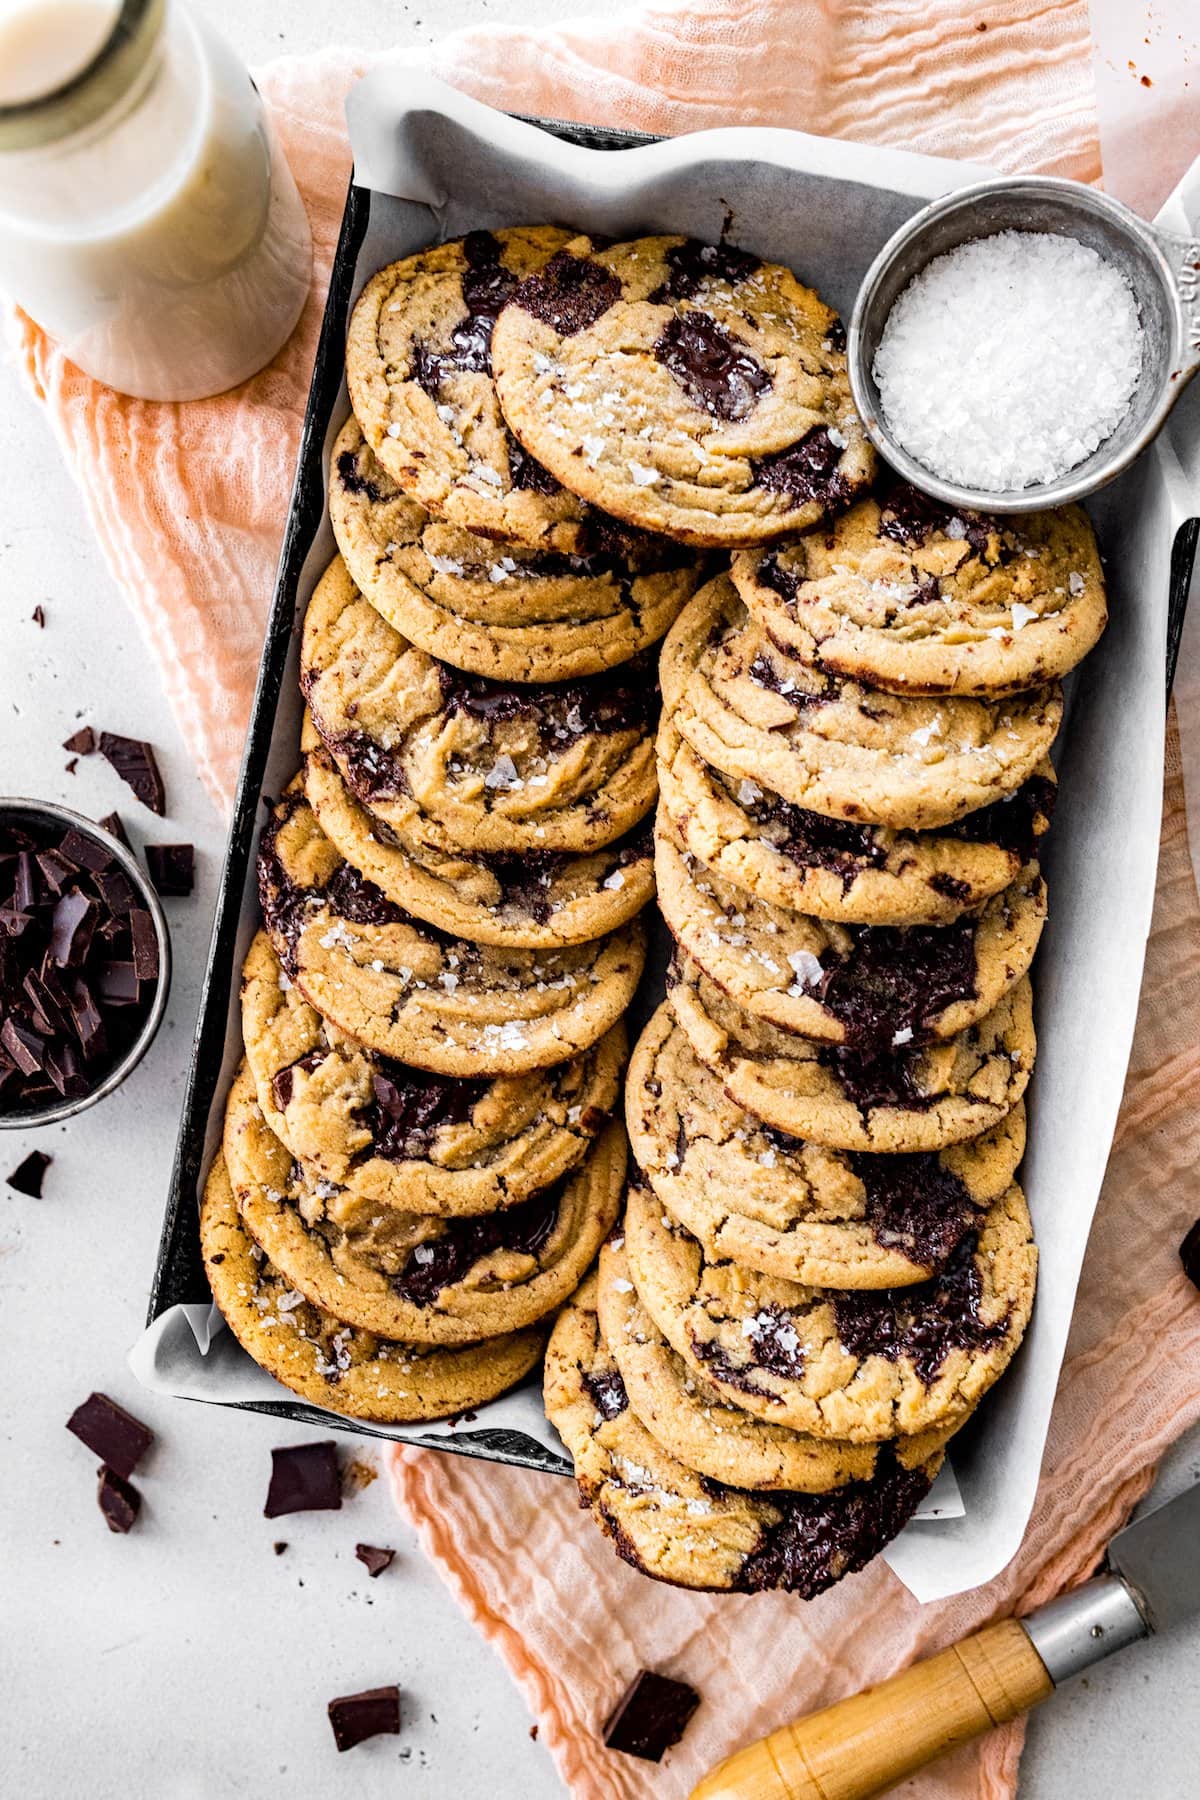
[111, 1433]
[115, 826]
[117, 983]
[172, 868]
[1189, 1254]
[651, 1716]
[119, 1501]
[136, 764]
[81, 742]
[143, 939]
[373, 1713]
[374, 1558]
[304, 1478]
[85, 852]
[71, 926]
[29, 1174]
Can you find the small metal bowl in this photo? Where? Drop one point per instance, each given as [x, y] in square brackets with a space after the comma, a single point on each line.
[1163, 270]
[61, 819]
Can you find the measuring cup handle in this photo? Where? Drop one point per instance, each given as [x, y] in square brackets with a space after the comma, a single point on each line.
[1183, 256]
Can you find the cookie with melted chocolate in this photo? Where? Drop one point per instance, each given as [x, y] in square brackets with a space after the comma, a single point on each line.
[501, 610]
[335, 1365]
[865, 1366]
[392, 1136]
[687, 1529]
[415, 994]
[908, 595]
[785, 1206]
[857, 874]
[470, 763]
[409, 1276]
[901, 1101]
[521, 900]
[688, 388]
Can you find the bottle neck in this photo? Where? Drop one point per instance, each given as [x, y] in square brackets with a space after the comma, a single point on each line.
[87, 100]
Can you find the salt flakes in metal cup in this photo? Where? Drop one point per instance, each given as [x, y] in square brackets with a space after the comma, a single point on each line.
[1157, 270]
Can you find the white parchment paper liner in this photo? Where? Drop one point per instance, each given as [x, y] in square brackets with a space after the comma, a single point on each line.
[440, 164]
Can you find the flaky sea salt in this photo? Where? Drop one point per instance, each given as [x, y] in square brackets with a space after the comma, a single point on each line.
[1007, 361]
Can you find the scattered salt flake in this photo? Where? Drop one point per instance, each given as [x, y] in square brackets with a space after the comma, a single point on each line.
[615, 880]
[748, 792]
[837, 438]
[642, 476]
[903, 1036]
[448, 980]
[768, 1159]
[622, 1286]
[1076, 582]
[593, 447]
[446, 414]
[446, 565]
[806, 967]
[1022, 615]
[503, 774]
[394, 431]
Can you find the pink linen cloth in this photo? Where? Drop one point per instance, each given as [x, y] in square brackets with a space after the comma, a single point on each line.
[189, 503]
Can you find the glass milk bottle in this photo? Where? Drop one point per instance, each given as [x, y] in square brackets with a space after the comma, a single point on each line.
[148, 219]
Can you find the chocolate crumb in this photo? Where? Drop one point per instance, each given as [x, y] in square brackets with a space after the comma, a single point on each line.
[114, 824]
[81, 742]
[304, 1478]
[119, 1501]
[533, 1731]
[28, 1175]
[39, 617]
[651, 1716]
[111, 1433]
[279, 1546]
[356, 1717]
[374, 1558]
[358, 1475]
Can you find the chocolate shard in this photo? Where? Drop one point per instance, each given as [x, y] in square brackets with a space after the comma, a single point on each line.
[84, 852]
[116, 890]
[1189, 1254]
[136, 764]
[57, 872]
[119, 1501]
[172, 868]
[373, 1713]
[27, 890]
[115, 826]
[81, 742]
[144, 941]
[304, 1478]
[117, 983]
[111, 1433]
[28, 1175]
[374, 1558]
[66, 1072]
[25, 1046]
[71, 926]
[86, 1021]
[651, 1716]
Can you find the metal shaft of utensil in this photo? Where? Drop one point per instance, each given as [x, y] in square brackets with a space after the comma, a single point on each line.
[1084, 1626]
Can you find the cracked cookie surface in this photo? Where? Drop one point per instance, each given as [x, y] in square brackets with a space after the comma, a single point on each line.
[682, 1528]
[468, 761]
[500, 610]
[336, 1365]
[780, 1205]
[905, 594]
[414, 1277]
[862, 1366]
[921, 1097]
[398, 1137]
[830, 744]
[688, 388]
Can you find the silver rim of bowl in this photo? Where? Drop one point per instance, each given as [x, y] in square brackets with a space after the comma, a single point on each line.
[50, 812]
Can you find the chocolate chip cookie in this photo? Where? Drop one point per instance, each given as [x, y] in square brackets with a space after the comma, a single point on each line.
[688, 388]
[863, 1366]
[905, 594]
[528, 900]
[682, 1528]
[871, 987]
[421, 1279]
[474, 763]
[398, 1137]
[916, 1098]
[419, 369]
[499, 610]
[770, 1202]
[416, 995]
[857, 874]
[833, 746]
[696, 1425]
[336, 1365]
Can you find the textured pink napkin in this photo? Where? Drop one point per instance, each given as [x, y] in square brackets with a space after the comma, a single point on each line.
[189, 503]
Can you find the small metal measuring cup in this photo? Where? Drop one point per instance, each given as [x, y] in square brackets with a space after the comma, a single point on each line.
[1162, 269]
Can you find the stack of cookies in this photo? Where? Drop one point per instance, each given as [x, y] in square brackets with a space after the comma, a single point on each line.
[422, 1151]
[826, 1260]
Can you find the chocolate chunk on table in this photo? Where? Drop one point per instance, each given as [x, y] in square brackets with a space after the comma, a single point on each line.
[111, 1433]
[81, 742]
[28, 1175]
[304, 1478]
[374, 1558]
[119, 1501]
[172, 868]
[356, 1717]
[651, 1716]
[136, 764]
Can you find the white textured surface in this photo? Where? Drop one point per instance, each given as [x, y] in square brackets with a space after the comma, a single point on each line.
[187, 1660]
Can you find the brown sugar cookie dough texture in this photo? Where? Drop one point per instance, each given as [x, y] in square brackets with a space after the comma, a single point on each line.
[688, 388]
